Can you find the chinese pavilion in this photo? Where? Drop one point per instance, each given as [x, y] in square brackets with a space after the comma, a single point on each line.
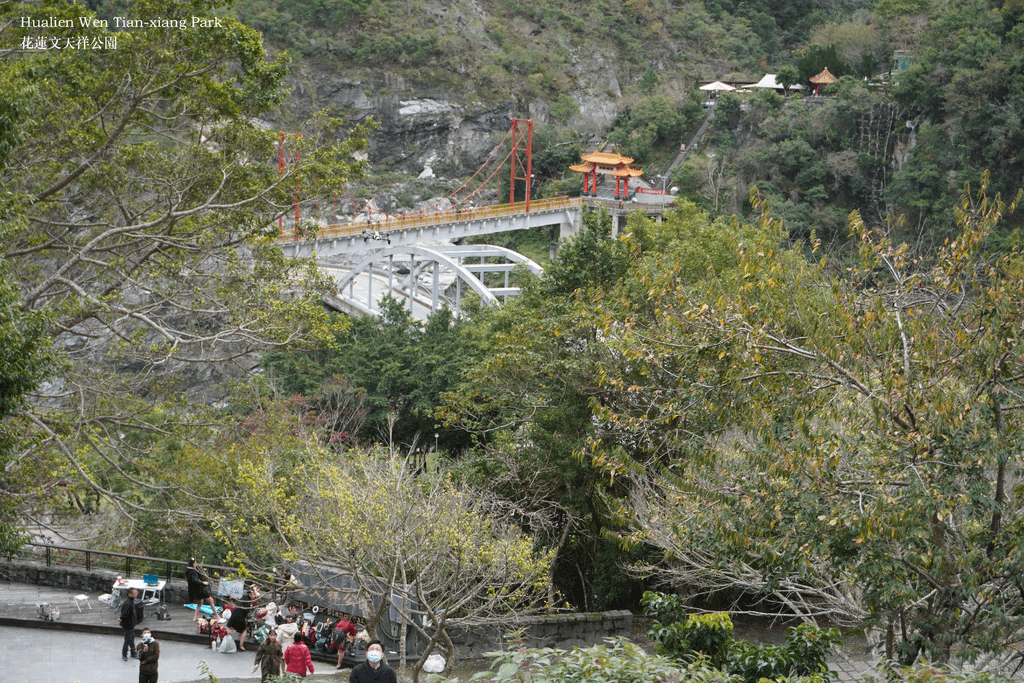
[607, 164]
[824, 78]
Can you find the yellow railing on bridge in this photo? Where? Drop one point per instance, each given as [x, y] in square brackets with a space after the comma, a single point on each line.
[419, 220]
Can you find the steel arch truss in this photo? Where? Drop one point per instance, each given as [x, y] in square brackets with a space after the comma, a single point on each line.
[426, 277]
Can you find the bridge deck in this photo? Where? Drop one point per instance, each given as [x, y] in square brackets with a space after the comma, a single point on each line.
[650, 201]
[420, 219]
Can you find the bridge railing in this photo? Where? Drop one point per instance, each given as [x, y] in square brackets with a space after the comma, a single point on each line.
[419, 220]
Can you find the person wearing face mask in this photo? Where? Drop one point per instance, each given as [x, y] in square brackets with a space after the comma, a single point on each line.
[374, 669]
[149, 655]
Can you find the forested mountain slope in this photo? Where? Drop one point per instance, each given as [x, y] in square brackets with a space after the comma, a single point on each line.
[441, 78]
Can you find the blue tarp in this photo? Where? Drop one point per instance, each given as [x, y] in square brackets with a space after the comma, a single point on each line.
[206, 609]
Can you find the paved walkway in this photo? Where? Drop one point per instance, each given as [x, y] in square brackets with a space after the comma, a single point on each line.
[85, 647]
[42, 656]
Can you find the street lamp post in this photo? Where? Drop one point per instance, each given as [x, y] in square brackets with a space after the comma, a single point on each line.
[664, 179]
[436, 435]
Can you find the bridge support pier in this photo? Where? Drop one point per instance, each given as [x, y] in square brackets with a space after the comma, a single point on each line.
[570, 225]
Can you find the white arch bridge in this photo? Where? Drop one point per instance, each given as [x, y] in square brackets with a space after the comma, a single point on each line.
[425, 277]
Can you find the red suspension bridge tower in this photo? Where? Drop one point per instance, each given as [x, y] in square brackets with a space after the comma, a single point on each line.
[282, 165]
[522, 158]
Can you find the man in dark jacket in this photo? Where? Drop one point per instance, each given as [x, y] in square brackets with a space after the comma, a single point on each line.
[128, 624]
[149, 656]
[375, 669]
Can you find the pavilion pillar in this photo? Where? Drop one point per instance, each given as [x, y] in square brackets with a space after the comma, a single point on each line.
[593, 181]
[625, 187]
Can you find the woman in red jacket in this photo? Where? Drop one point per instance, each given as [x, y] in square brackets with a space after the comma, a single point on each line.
[296, 658]
[343, 635]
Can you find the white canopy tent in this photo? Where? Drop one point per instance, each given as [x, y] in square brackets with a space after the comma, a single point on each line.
[768, 81]
[717, 86]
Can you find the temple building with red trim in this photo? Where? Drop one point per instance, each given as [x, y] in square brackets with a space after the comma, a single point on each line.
[607, 164]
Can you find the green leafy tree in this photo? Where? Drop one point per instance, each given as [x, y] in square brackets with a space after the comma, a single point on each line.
[399, 365]
[726, 119]
[964, 85]
[553, 152]
[649, 82]
[813, 59]
[865, 476]
[591, 258]
[904, 21]
[528, 399]
[861, 44]
[788, 76]
[652, 122]
[139, 234]
[25, 361]
[445, 549]
[25, 355]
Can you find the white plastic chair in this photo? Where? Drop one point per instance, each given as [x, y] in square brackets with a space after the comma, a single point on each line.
[78, 601]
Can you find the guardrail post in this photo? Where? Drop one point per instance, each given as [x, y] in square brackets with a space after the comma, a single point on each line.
[169, 570]
[88, 561]
[127, 567]
[47, 556]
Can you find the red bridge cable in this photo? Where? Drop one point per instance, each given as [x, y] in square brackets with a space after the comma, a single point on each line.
[482, 185]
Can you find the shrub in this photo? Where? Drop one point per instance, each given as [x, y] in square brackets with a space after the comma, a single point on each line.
[809, 647]
[687, 637]
[753, 662]
[617, 661]
[709, 638]
[927, 673]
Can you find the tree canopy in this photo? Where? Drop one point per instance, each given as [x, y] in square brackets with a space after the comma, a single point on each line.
[139, 198]
[859, 437]
[421, 544]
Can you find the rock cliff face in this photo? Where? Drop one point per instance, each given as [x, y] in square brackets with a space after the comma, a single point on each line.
[450, 131]
[438, 133]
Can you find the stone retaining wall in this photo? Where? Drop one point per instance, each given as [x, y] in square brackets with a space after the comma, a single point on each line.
[577, 629]
[564, 631]
[79, 579]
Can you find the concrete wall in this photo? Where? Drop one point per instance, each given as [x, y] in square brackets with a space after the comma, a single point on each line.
[577, 629]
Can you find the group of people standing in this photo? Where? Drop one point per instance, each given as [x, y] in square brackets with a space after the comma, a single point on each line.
[235, 616]
[285, 648]
[296, 660]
